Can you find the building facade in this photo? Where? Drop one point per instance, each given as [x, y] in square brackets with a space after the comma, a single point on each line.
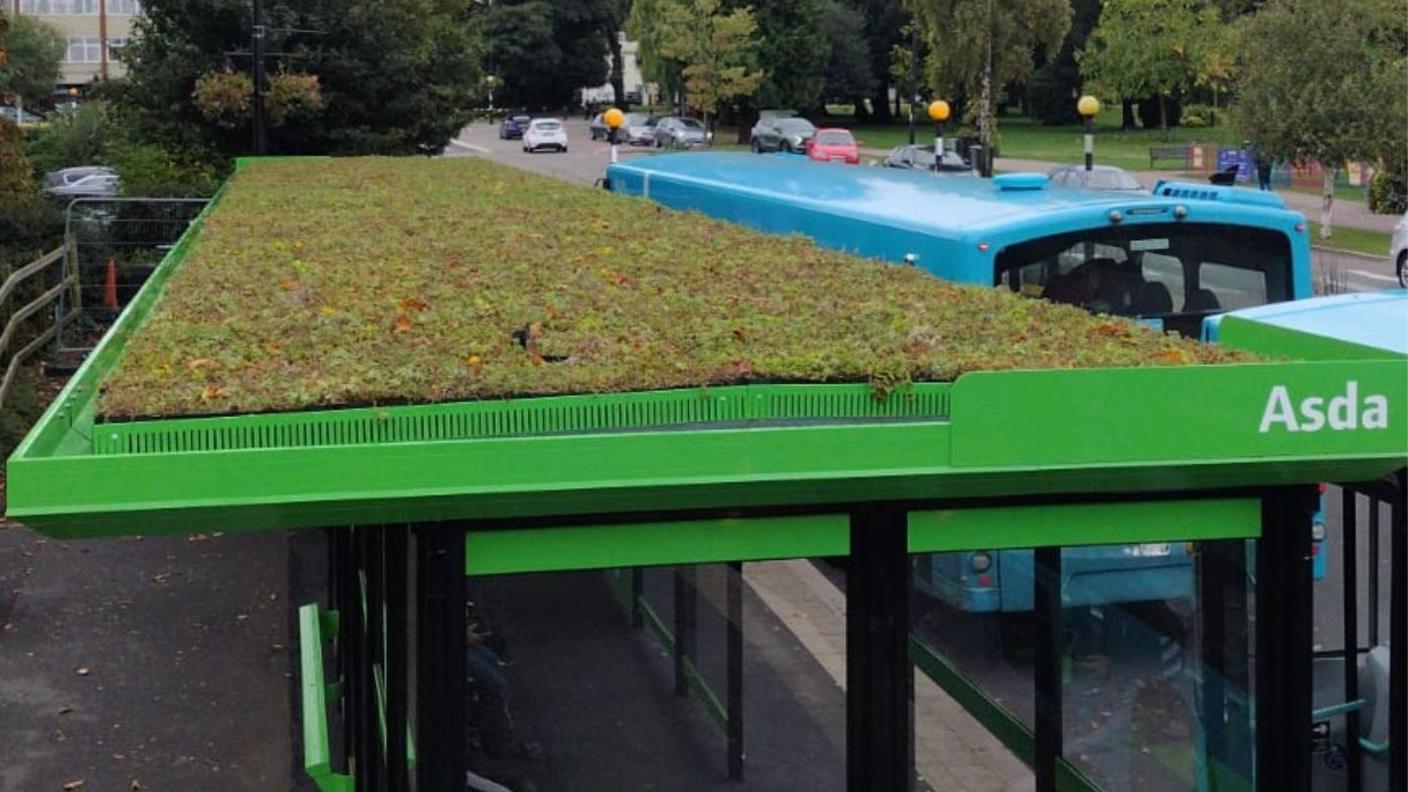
[637, 89]
[94, 32]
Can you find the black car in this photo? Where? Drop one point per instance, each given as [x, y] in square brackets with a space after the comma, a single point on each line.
[513, 127]
[922, 158]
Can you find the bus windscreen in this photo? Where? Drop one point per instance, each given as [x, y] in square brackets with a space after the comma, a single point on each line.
[1174, 272]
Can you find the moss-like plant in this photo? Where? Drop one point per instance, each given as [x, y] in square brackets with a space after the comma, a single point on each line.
[373, 281]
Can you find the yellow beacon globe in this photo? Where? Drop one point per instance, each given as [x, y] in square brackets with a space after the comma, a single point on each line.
[614, 118]
[938, 110]
[1088, 106]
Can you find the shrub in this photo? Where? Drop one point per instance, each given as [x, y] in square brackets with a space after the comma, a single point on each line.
[224, 97]
[292, 96]
[1388, 192]
[81, 136]
[149, 170]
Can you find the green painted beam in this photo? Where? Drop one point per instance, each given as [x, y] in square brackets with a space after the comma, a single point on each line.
[317, 753]
[1068, 525]
[654, 544]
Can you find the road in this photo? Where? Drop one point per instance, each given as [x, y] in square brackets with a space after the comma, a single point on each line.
[586, 161]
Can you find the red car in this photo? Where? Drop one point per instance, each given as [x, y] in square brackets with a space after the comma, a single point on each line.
[834, 145]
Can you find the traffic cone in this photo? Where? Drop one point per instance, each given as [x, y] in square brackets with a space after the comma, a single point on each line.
[110, 286]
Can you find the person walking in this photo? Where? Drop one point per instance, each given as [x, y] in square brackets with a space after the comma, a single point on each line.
[1263, 171]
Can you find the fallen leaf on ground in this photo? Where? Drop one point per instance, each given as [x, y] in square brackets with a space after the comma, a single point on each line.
[72, 785]
[81, 671]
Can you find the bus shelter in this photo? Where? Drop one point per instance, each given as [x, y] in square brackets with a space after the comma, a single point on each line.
[647, 494]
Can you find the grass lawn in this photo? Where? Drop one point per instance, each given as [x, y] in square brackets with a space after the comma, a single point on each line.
[1369, 243]
[1343, 192]
[1022, 138]
[411, 280]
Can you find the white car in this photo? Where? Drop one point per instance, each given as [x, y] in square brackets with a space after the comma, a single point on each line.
[545, 133]
[1398, 250]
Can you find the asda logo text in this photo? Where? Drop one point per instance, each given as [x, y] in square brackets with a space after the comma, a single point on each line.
[1341, 412]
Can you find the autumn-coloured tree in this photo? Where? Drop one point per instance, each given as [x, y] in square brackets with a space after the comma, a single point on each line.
[716, 50]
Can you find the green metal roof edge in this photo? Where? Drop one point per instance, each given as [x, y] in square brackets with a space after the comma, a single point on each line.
[1269, 339]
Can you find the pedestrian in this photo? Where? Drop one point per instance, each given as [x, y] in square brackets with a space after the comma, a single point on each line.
[1263, 170]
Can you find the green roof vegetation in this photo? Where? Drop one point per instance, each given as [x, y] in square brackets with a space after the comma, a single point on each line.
[381, 281]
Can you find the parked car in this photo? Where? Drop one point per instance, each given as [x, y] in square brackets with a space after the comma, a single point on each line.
[676, 132]
[1102, 177]
[598, 127]
[67, 176]
[781, 134]
[918, 157]
[95, 185]
[545, 133]
[1398, 250]
[513, 127]
[834, 145]
[639, 129]
[15, 116]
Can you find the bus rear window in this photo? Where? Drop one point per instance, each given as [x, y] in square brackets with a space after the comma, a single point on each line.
[1154, 269]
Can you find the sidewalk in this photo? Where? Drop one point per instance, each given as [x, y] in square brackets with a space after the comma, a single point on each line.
[1347, 214]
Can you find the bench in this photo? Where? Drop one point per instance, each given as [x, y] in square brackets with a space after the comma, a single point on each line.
[1157, 153]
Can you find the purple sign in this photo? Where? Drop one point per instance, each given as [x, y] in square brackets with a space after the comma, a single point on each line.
[1242, 158]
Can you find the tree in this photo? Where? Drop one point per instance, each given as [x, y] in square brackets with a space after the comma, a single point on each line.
[716, 50]
[650, 24]
[1148, 48]
[543, 50]
[886, 27]
[520, 50]
[795, 49]
[389, 83]
[848, 77]
[1325, 84]
[33, 50]
[975, 45]
[1052, 91]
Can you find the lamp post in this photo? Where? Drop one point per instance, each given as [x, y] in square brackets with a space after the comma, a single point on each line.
[938, 113]
[1088, 107]
[613, 118]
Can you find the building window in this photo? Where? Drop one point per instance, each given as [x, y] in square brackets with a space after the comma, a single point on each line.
[128, 7]
[86, 49]
[115, 45]
[59, 7]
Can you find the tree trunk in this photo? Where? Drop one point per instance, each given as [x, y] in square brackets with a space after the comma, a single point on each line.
[618, 71]
[861, 113]
[747, 117]
[1163, 117]
[1327, 200]
[19, 110]
[1127, 114]
[880, 103]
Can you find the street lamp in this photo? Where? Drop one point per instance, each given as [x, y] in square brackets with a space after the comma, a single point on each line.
[613, 119]
[938, 113]
[1088, 107]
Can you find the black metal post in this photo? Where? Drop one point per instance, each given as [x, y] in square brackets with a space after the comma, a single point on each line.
[1374, 506]
[347, 642]
[397, 768]
[734, 609]
[261, 143]
[1398, 639]
[681, 618]
[879, 716]
[637, 585]
[440, 637]
[1047, 665]
[938, 146]
[1284, 640]
[375, 759]
[354, 640]
[1349, 523]
[1221, 634]
[1089, 143]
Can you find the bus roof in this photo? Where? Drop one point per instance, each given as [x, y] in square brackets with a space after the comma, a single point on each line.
[889, 195]
[1375, 319]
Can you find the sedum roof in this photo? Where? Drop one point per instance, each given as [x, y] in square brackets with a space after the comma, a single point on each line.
[319, 284]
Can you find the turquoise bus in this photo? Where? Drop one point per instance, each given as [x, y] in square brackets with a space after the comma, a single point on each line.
[1169, 258]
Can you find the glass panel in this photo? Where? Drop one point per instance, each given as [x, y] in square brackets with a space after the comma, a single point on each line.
[1149, 672]
[1234, 287]
[971, 614]
[573, 688]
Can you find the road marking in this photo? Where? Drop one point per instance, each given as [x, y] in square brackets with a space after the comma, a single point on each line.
[1372, 275]
[470, 146]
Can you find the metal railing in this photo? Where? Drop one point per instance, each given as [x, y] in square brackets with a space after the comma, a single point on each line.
[38, 269]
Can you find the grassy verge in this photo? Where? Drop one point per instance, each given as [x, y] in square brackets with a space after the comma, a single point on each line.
[1354, 240]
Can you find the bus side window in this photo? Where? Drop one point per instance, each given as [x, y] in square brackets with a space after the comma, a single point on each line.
[1233, 287]
[1168, 270]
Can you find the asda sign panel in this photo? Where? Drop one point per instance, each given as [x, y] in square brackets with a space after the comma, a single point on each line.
[1318, 410]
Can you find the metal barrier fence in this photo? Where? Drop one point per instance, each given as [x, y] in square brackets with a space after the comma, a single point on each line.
[112, 245]
[45, 275]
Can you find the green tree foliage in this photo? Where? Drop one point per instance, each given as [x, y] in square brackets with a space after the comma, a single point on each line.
[393, 79]
[1150, 48]
[650, 25]
[960, 34]
[716, 48]
[1052, 90]
[848, 75]
[543, 51]
[886, 26]
[30, 68]
[794, 50]
[1325, 82]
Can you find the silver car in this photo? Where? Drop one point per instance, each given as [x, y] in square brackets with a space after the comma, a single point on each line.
[638, 129]
[1105, 178]
[674, 132]
[94, 185]
[781, 134]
